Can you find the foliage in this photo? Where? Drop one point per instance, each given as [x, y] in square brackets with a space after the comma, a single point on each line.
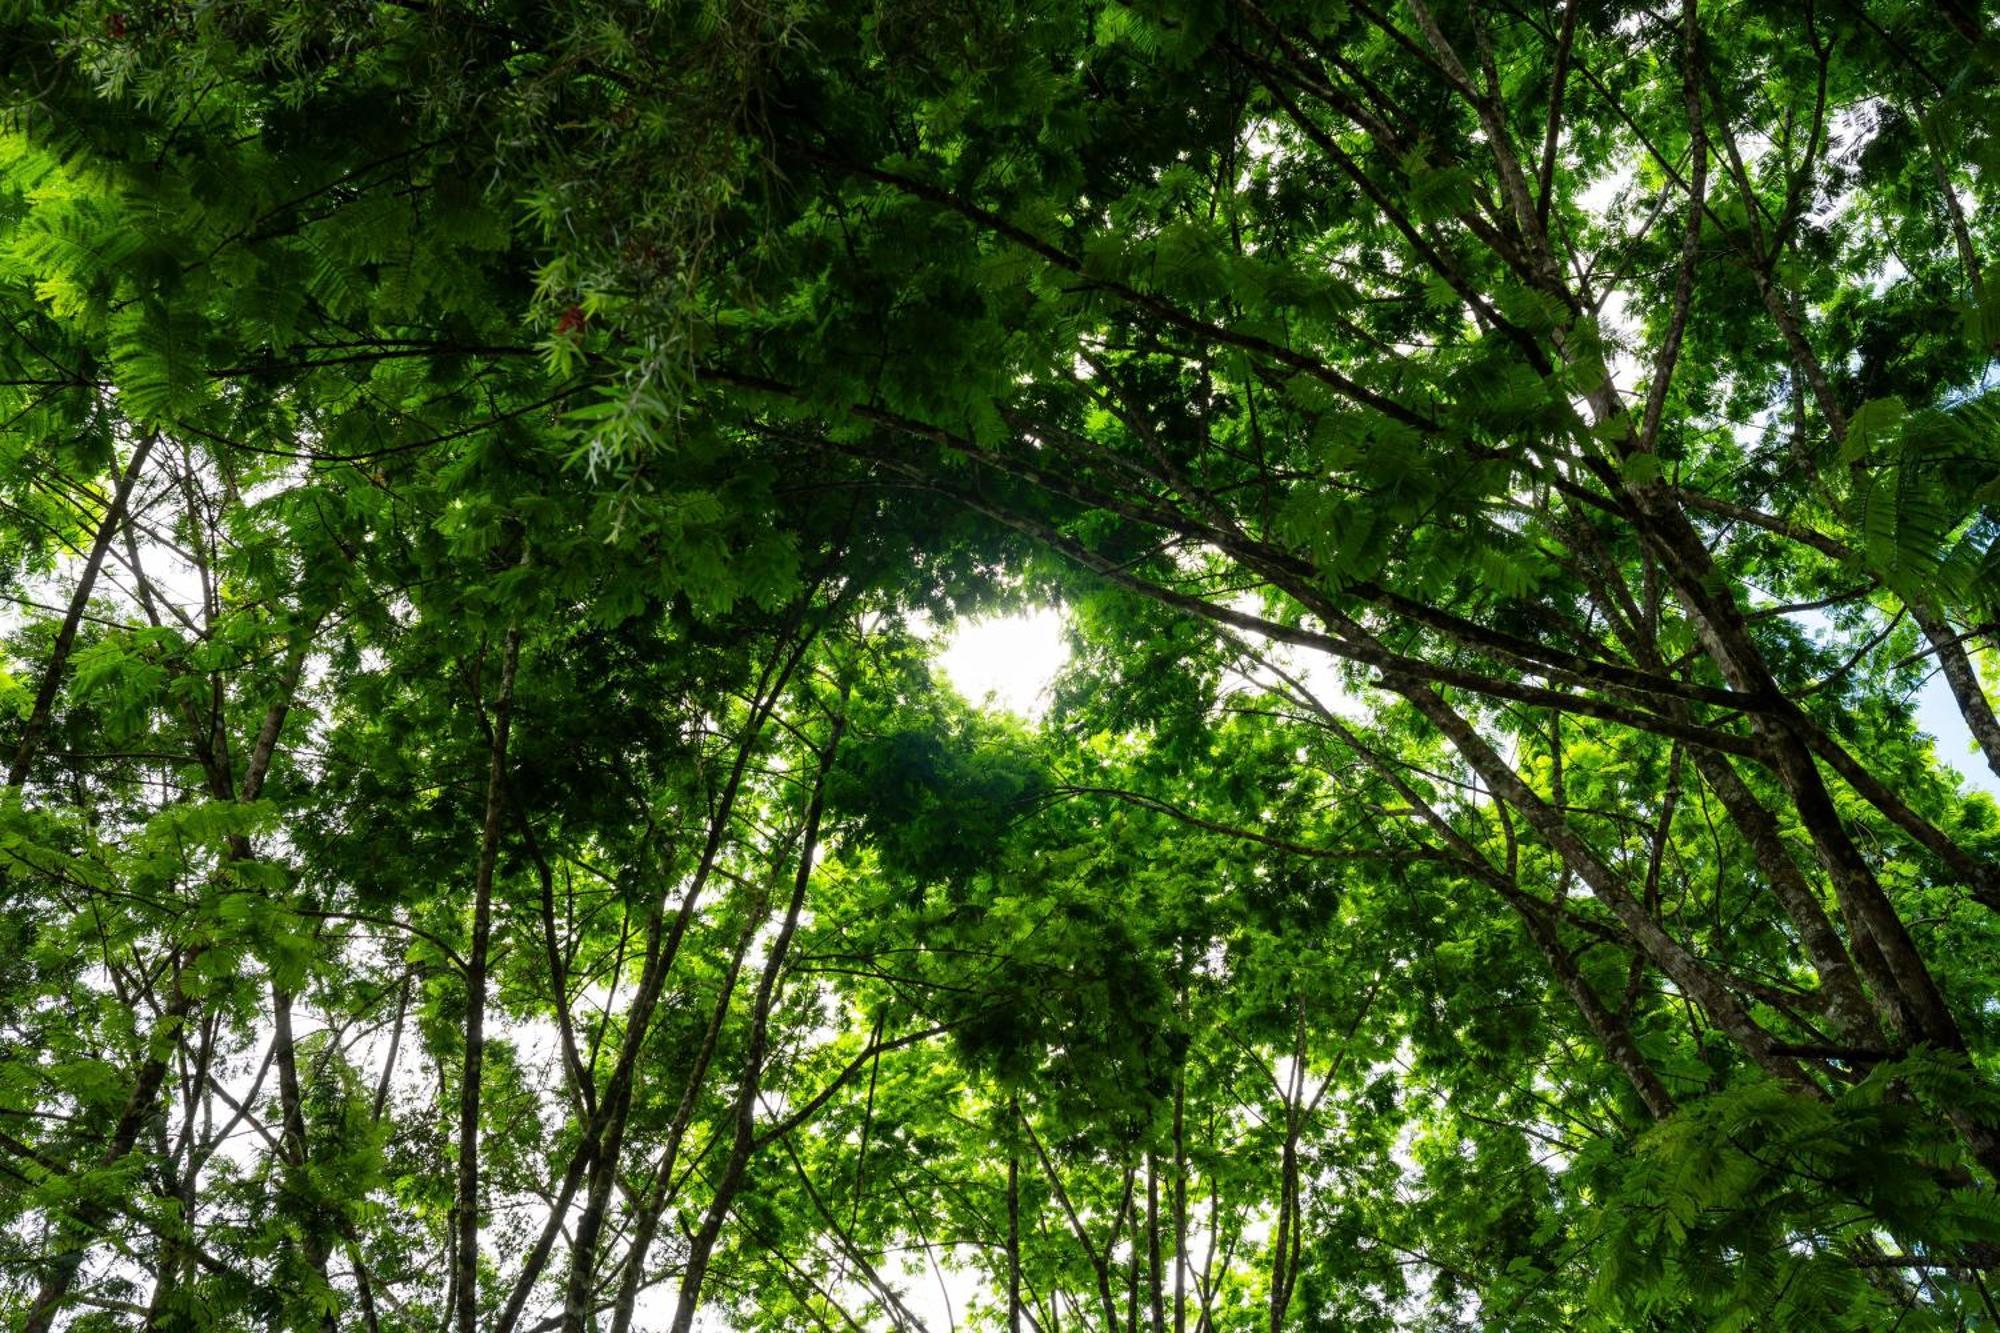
[487, 843]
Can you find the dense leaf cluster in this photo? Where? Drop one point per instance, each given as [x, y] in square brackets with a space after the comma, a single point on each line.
[486, 843]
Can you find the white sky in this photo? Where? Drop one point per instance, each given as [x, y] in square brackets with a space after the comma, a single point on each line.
[1937, 713]
[1007, 662]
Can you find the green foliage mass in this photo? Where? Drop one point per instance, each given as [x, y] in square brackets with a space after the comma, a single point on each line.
[488, 841]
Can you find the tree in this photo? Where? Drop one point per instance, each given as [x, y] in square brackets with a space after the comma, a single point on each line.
[485, 846]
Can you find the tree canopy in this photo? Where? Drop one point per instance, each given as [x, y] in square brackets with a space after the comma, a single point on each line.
[488, 844]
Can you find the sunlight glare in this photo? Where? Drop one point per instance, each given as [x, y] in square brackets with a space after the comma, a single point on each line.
[1007, 662]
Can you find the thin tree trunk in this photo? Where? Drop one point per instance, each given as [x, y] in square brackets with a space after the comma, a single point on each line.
[1846, 1003]
[317, 1240]
[52, 674]
[1100, 1266]
[1180, 1176]
[1695, 978]
[654, 1207]
[1013, 1219]
[1614, 1035]
[365, 1287]
[465, 1211]
[702, 1247]
[1285, 1244]
[1961, 235]
[90, 1216]
[1963, 678]
[603, 1140]
[1132, 1284]
[1155, 1288]
[395, 1045]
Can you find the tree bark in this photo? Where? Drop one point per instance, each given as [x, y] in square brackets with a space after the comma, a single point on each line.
[465, 1210]
[1013, 1219]
[1155, 1288]
[1961, 676]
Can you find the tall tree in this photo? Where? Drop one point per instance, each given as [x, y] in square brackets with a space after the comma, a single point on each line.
[486, 845]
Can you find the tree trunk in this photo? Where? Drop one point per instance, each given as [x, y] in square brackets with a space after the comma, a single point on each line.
[702, 1247]
[52, 674]
[1962, 677]
[1013, 1220]
[604, 1139]
[1155, 1288]
[465, 1210]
